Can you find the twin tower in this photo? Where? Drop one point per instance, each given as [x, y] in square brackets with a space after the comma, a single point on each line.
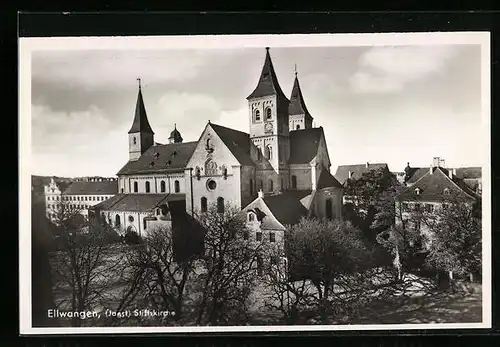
[272, 117]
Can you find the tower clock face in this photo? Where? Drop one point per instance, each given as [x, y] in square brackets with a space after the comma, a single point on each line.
[268, 127]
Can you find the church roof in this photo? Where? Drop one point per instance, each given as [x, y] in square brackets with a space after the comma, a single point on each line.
[141, 123]
[92, 188]
[432, 187]
[137, 202]
[357, 170]
[237, 142]
[268, 81]
[297, 104]
[304, 145]
[326, 180]
[172, 157]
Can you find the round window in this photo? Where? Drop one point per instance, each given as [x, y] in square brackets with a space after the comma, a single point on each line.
[211, 185]
[130, 218]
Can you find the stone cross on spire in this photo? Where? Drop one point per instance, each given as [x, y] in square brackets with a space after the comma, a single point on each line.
[139, 80]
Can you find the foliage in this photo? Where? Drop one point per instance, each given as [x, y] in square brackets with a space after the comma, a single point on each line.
[456, 238]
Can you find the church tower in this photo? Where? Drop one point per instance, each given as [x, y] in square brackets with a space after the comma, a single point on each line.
[175, 136]
[140, 135]
[298, 115]
[268, 113]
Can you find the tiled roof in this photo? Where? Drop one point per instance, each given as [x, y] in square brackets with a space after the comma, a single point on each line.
[356, 170]
[137, 202]
[141, 123]
[268, 81]
[92, 188]
[297, 104]
[432, 187]
[326, 180]
[285, 207]
[238, 143]
[172, 157]
[415, 173]
[304, 145]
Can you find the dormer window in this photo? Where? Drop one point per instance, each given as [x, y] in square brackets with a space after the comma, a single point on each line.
[269, 113]
[446, 191]
[418, 191]
[251, 216]
[156, 155]
[168, 163]
[152, 163]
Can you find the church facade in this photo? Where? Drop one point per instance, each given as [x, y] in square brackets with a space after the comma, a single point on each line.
[282, 158]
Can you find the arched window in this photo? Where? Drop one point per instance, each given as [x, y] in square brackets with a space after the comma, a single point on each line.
[220, 204]
[117, 221]
[135, 141]
[147, 186]
[294, 182]
[297, 127]
[259, 154]
[121, 190]
[136, 187]
[329, 208]
[203, 202]
[144, 221]
[177, 186]
[446, 191]
[251, 216]
[268, 152]
[257, 115]
[269, 113]
[261, 185]
[271, 185]
[162, 186]
[251, 187]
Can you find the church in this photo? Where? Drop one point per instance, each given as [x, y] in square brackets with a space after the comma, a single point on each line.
[280, 168]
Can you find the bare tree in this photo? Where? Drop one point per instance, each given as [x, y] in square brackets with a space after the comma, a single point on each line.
[85, 266]
[227, 272]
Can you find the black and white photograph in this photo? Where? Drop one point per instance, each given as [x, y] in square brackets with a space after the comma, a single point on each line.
[255, 183]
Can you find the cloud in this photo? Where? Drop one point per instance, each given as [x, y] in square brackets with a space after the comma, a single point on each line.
[389, 69]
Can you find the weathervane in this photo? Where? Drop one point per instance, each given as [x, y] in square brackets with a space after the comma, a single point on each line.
[295, 69]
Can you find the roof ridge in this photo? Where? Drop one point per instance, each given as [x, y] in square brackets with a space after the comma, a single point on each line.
[238, 131]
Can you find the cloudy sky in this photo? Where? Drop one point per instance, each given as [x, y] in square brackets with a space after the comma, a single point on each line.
[376, 104]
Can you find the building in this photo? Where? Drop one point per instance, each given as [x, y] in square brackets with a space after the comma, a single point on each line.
[63, 199]
[429, 191]
[281, 155]
[354, 172]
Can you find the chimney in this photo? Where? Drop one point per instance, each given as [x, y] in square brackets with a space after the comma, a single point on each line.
[350, 174]
[430, 170]
[450, 173]
[454, 172]
[435, 162]
[367, 164]
[260, 193]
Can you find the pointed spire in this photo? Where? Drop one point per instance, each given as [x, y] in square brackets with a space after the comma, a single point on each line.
[268, 82]
[141, 123]
[297, 103]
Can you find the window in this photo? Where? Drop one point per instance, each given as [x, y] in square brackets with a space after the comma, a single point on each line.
[207, 144]
[258, 236]
[268, 152]
[328, 208]
[294, 182]
[416, 225]
[269, 113]
[417, 191]
[203, 202]
[445, 207]
[136, 187]
[122, 190]
[272, 237]
[251, 187]
[417, 207]
[259, 154]
[261, 185]
[135, 140]
[93, 198]
[220, 204]
[117, 221]
[271, 185]
[177, 187]
[147, 186]
[251, 217]
[224, 172]
[446, 191]
[158, 211]
[257, 115]
[162, 186]
[211, 185]
[144, 222]
[429, 208]
[297, 126]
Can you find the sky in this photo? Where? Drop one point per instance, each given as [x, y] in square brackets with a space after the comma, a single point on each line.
[379, 104]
